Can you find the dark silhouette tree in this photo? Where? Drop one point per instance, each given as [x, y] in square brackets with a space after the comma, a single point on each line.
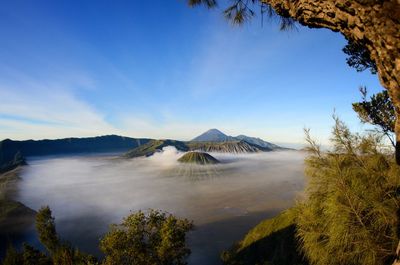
[32, 256]
[28, 256]
[12, 257]
[371, 24]
[46, 229]
[359, 57]
[378, 111]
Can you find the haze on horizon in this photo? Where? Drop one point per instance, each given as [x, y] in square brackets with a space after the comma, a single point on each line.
[162, 70]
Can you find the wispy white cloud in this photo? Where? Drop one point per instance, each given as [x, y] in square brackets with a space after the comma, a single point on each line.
[34, 109]
[145, 126]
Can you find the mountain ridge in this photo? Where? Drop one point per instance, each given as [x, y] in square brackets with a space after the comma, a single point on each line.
[13, 153]
[154, 146]
[235, 147]
[215, 135]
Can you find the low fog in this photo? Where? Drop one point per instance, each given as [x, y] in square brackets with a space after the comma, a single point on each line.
[87, 193]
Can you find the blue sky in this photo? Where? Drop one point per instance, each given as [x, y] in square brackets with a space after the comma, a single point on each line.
[161, 69]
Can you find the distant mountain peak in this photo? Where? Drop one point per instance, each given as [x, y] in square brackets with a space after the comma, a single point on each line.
[213, 135]
[214, 130]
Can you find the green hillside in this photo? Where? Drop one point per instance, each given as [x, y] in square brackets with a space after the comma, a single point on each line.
[13, 153]
[154, 146]
[272, 241]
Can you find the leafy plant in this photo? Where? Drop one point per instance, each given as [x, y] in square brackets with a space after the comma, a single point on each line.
[378, 111]
[155, 238]
[350, 214]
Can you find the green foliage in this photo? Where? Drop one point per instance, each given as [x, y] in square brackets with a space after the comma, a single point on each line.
[207, 3]
[359, 56]
[67, 255]
[32, 256]
[350, 215]
[62, 256]
[273, 241]
[156, 238]
[46, 228]
[241, 11]
[28, 256]
[378, 111]
[61, 253]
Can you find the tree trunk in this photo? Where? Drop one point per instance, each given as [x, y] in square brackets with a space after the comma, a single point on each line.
[375, 23]
[398, 138]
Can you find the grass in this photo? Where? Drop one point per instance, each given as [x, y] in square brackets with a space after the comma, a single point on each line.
[273, 241]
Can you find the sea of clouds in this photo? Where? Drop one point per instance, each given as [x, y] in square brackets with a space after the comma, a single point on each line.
[87, 193]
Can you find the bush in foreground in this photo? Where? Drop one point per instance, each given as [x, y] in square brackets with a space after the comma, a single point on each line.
[156, 238]
[350, 215]
[153, 238]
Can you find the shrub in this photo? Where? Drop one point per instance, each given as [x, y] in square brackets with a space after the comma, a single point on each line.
[350, 215]
[155, 238]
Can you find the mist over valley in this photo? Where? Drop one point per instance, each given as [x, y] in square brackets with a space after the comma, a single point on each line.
[87, 193]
